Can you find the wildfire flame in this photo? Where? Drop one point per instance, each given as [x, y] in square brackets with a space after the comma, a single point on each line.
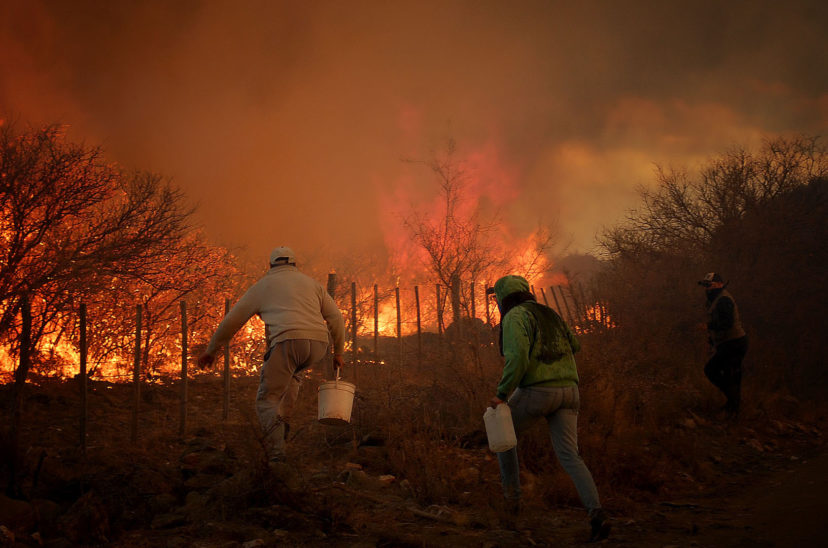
[530, 261]
[62, 357]
[526, 256]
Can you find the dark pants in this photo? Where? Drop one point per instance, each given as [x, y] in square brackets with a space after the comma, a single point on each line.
[724, 370]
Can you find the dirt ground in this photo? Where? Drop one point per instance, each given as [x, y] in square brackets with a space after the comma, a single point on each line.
[764, 483]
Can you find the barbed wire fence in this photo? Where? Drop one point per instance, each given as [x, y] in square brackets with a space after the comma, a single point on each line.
[403, 338]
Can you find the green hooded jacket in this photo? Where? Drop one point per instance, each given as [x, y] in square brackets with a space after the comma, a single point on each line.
[537, 344]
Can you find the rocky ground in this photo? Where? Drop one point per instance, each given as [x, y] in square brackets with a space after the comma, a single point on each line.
[763, 482]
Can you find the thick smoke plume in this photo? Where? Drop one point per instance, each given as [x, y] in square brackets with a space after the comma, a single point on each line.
[286, 121]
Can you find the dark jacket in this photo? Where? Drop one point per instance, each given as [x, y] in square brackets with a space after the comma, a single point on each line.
[723, 322]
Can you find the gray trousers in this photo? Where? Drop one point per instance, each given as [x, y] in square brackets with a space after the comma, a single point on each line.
[279, 385]
[559, 406]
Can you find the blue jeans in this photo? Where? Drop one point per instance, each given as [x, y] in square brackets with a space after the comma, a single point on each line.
[559, 406]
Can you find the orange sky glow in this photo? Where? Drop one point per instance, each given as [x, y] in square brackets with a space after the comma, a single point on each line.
[288, 122]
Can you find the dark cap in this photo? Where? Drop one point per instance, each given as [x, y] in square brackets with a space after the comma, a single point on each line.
[710, 278]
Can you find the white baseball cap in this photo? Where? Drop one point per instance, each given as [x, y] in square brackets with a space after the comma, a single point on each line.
[282, 253]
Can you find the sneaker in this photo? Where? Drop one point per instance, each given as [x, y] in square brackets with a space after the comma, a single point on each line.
[599, 525]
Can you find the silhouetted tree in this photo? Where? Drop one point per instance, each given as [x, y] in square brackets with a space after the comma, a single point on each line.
[756, 217]
[75, 227]
[685, 212]
[457, 239]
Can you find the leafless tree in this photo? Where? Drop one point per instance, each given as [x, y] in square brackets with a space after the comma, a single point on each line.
[458, 241]
[71, 226]
[72, 223]
[686, 212]
[758, 218]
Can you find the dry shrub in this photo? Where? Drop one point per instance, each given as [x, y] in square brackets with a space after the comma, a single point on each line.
[430, 417]
[632, 399]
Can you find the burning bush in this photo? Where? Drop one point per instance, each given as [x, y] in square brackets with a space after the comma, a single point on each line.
[75, 229]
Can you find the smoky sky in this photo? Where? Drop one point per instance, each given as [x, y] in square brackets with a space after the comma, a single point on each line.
[286, 122]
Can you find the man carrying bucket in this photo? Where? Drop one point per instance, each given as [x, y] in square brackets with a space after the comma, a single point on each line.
[295, 309]
[538, 348]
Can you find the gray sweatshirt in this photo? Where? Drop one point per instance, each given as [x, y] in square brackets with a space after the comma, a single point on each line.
[291, 304]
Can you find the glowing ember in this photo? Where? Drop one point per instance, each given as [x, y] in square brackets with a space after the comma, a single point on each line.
[597, 313]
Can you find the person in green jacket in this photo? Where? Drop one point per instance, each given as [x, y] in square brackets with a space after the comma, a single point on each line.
[542, 378]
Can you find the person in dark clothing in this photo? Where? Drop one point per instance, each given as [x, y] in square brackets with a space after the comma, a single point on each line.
[728, 339]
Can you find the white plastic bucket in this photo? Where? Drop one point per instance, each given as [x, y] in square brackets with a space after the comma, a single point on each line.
[336, 399]
[499, 428]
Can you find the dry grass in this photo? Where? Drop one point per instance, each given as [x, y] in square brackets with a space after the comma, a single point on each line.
[648, 430]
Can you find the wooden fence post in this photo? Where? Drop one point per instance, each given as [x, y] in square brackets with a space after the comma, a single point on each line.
[576, 305]
[12, 446]
[455, 306]
[183, 424]
[583, 299]
[473, 326]
[439, 313]
[332, 292]
[557, 304]
[354, 332]
[376, 320]
[225, 409]
[473, 302]
[83, 379]
[543, 293]
[399, 324]
[488, 310]
[136, 377]
[419, 326]
[566, 305]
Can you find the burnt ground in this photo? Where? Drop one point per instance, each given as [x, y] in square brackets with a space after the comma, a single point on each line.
[763, 482]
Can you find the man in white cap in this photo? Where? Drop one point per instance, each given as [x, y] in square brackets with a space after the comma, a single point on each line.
[299, 317]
